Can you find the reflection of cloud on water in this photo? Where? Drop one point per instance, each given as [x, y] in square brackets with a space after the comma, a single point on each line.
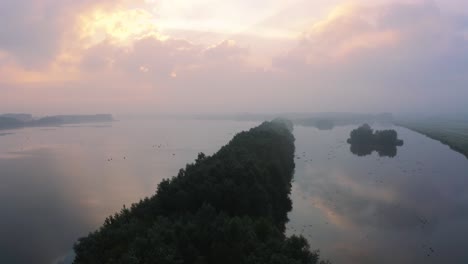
[90, 202]
[26, 151]
[343, 182]
[367, 220]
[333, 216]
[380, 210]
[352, 204]
[336, 182]
[356, 252]
[67, 259]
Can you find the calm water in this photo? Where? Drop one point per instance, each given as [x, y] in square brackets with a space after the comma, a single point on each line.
[57, 184]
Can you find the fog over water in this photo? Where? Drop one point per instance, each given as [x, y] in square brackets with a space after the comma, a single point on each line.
[58, 184]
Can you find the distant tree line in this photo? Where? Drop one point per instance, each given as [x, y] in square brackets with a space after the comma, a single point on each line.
[230, 208]
[14, 121]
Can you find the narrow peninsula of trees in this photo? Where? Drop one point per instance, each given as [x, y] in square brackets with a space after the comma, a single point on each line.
[364, 140]
[228, 208]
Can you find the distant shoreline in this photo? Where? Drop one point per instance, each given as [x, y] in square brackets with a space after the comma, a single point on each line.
[18, 121]
[446, 134]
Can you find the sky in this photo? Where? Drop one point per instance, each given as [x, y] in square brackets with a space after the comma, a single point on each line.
[207, 56]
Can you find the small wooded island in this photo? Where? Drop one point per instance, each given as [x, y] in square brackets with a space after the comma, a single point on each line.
[364, 140]
[230, 207]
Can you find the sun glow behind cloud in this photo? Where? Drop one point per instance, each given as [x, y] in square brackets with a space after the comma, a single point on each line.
[124, 23]
[299, 50]
[119, 27]
[230, 17]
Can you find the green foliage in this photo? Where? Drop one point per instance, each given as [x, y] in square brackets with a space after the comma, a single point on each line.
[364, 140]
[362, 135]
[230, 207]
[453, 133]
[366, 135]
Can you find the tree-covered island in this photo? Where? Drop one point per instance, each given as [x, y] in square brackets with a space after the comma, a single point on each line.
[364, 140]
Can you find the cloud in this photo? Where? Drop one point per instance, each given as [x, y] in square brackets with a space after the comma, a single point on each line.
[34, 37]
[383, 51]
[227, 50]
[360, 57]
[34, 32]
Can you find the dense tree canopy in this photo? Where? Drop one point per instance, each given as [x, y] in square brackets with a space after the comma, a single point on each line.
[364, 140]
[230, 207]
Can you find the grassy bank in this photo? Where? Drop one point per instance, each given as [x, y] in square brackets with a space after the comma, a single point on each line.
[453, 133]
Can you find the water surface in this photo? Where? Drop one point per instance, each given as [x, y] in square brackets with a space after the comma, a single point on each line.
[412, 208]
